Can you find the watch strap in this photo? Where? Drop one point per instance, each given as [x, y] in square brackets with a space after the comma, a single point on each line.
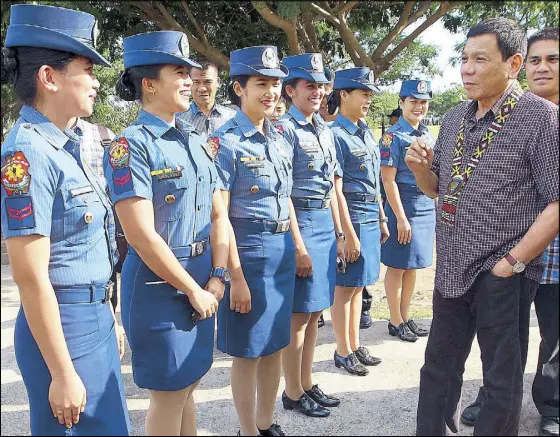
[510, 259]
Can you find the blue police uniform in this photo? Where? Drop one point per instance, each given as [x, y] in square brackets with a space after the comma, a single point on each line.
[419, 208]
[314, 164]
[358, 158]
[49, 190]
[256, 169]
[172, 167]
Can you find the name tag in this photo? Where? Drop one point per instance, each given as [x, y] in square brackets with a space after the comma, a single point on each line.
[309, 147]
[82, 190]
[252, 158]
[168, 173]
[359, 153]
[254, 164]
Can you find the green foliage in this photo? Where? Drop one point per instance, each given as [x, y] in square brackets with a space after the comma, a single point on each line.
[382, 105]
[444, 101]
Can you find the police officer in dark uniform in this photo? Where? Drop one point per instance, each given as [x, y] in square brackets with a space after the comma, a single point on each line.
[59, 229]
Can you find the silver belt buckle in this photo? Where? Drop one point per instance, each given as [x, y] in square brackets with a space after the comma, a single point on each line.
[326, 204]
[197, 248]
[282, 226]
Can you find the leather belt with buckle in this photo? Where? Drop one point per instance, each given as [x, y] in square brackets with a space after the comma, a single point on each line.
[362, 197]
[198, 248]
[282, 226]
[311, 203]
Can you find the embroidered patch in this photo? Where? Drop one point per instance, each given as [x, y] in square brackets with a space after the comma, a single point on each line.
[214, 146]
[122, 180]
[387, 140]
[119, 153]
[15, 174]
[20, 212]
[280, 128]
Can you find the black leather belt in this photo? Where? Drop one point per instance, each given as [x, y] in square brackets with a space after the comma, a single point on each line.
[192, 250]
[299, 202]
[362, 197]
[273, 226]
[93, 293]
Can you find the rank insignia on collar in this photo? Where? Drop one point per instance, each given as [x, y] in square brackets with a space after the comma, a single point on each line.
[15, 174]
[387, 140]
[119, 153]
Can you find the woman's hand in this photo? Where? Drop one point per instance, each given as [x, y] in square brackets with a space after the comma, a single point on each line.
[119, 331]
[404, 231]
[204, 303]
[384, 232]
[340, 248]
[240, 295]
[352, 248]
[216, 287]
[67, 398]
[304, 265]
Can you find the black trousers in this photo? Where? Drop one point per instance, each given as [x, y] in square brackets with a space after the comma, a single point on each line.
[497, 310]
[367, 298]
[545, 384]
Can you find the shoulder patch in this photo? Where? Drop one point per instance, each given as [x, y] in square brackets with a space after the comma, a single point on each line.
[387, 140]
[280, 128]
[20, 212]
[119, 153]
[213, 146]
[15, 174]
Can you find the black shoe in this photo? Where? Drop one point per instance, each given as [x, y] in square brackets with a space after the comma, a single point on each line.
[403, 332]
[364, 357]
[365, 320]
[321, 321]
[470, 414]
[420, 332]
[549, 426]
[273, 430]
[350, 364]
[321, 398]
[305, 405]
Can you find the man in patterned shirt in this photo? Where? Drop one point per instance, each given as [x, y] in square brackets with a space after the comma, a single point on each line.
[542, 70]
[495, 170]
[205, 115]
[93, 139]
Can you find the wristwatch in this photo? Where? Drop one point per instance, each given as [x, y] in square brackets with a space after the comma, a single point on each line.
[384, 220]
[516, 265]
[340, 235]
[222, 273]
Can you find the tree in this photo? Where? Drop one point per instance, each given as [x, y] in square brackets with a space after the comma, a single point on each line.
[444, 101]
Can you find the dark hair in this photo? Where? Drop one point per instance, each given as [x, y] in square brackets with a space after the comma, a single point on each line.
[333, 101]
[206, 64]
[293, 83]
[20, 66]
[242, 79]
[129, 86]
[548, 34]
[510, 36]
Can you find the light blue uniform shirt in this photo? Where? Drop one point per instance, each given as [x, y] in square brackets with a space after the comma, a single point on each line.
[172, 167]
[255, 169]
[314, 154]
[47, 190]
[358, 156]
[394, 145]
[204, 124]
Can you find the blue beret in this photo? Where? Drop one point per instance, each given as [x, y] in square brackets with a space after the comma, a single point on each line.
[419, 89]
[54, 28]
[151, 48]
[355, 78]
[308, 66]
[256, 61]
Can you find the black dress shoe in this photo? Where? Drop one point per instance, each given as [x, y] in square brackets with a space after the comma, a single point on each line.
[548, 426]
[364, 357]
[305, 405]
[420, 332]
[321, 398]
[365, 320]
[350, 364]
[273, 430]
[403, 332]
[321, 321]
[470, 414]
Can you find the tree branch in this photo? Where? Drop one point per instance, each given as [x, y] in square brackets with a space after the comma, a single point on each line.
[288, 26]
[346, 7]
[197, 26]
[323, 13]
[394, 32]
[307, 45]
[169, 18]
[310, 29]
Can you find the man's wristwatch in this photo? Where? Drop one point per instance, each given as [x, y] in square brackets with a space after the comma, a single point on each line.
[384, 220]
[340, 235]
[516, 265]
[222, 273]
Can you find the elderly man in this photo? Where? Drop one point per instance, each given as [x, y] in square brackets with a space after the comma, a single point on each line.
[495, 170]
[205, 114]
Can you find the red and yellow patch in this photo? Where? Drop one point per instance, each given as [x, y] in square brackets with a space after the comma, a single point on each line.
[387, 140]
[280, 128]
[119, 153]
[15, 174]
[214, 146]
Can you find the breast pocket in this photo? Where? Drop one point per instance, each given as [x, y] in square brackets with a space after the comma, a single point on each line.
[171, 199]
[84, 214]
[360, 164]
[255, 176]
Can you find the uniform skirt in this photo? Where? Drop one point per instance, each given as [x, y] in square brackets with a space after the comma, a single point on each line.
[268, 263]
[316, 292]
[365, 270]
[90, 336]
[420, 212]
[169, 351]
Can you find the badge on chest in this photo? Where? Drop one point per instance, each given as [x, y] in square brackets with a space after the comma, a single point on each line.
[309, 147]
[252, 162]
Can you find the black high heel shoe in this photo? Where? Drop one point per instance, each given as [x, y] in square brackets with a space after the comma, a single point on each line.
[364, 357]
[350, 364]
[305, 405]
[321, 398]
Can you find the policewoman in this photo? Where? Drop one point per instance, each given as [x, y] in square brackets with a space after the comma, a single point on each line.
[410, 212]
[255, 166]
[162, 179]
[59, 229]
[361, 213]
[316, 212]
